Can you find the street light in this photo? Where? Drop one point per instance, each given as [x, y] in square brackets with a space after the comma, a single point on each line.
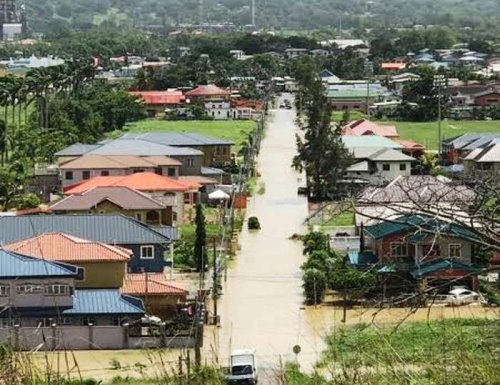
[439, 83]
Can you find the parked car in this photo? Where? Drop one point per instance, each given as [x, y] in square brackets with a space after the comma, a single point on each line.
[462, 296]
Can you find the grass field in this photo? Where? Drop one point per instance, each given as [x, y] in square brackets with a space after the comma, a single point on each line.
[426, 133]
[234, 130]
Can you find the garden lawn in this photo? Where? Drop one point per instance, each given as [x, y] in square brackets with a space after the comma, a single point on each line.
[235, 130]
[426, 133]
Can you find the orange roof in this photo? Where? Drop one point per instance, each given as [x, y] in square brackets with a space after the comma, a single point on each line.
[366, 127]
[393, 65]
[142, 181]
[67, 248]
[410, 144]
[160, 97]
[156, 285]
[209, 90]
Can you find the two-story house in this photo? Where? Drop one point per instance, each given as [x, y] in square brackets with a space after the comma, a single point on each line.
[483, 161]
[91, 165]
[424, 249]
[149, 245]
[102, 266]
[205, 93]
[39, 293]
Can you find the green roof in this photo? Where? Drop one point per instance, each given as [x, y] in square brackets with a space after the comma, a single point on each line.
[441, 264]
[351, 94]
[424, 225]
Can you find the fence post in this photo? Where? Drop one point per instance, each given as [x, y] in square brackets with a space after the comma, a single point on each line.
[54, 336]
[91, 336]
[125, 329]
[16, 337]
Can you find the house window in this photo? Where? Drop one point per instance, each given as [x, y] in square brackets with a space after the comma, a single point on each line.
[85, 175]
[80, 274]
[28, 288]
[171, 171]
[57, 289]
[189, 162]
[402, 167]
[105, 173]
[431, 250]
[386, 167]
[455, 250]
[6, 323]
[65, 321]
[138, 171]
[138, 216]
[147, 252]
[118, 321]
[4, 290]
[87, 321]
[399, 249]
[158, 171]
[68, 175]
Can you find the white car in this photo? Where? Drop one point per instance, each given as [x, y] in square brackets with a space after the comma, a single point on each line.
[462, 296]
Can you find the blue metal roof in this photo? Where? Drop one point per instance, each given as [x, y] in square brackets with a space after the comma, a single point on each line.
[13, 265]
[142, 148]
[77, 149]
[173, 138]
[107, 228]
[104, 301]
[441, 264]
[426, 225]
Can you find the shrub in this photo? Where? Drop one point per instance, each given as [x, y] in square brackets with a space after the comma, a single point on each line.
[253, 223]
[314, 285]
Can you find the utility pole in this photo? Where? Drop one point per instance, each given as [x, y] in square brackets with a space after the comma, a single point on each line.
[253, 13]
[215, 284]
[439, 82]
[368, 74]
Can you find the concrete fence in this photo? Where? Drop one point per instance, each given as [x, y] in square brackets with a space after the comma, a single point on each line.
[85, 338]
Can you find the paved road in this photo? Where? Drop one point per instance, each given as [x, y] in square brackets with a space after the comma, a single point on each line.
[261, 305]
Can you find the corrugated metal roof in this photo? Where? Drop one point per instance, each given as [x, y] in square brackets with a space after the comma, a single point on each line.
[180, 139]
[109, 228]
[104, 301]
[96, 161]
[353, 93]
[135, 284]
[420, 223]
[207, 90]
[366, 127]
[66, 248]
[489, 154]
[390, 155]
[211, 171]
[124, 197]
[14, 265]
[160, 97]
[351, 141]
[77, 149]
[441, 264]
[142, 148]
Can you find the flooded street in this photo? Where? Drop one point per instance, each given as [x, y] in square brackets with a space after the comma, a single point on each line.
[261, 305]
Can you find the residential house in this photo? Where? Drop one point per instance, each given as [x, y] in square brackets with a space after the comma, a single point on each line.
[157, 102]
[328, 77]
[102, 266]
[353, 99]
[292, 53]
[398, 81]
[393, 66]
[91, 165]
[191, 159]
[422, 250]
[215, 150]
[366, 127]
[457, 148]
[378, 165]
[148, 244]
[39, 293]
[320, 52]
[123, 200]
[411, 148]
[159, 296]
[342, 44]
[483, 161]
[206, 93]
[487, 98]
[219, 109]
[174, 192]
[373, 141]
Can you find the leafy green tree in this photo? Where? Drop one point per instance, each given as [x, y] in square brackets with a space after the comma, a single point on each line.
[314, 285]
[315, 241]
[200, 244]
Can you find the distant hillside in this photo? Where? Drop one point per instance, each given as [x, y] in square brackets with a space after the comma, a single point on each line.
[46, 15]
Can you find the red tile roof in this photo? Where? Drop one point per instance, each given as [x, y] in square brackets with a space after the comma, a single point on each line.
[160, 97]
[142, 181]
[393, 65]
[366, 127]
[156, 285]
[209, 90]
[67, 248]
[411, 145]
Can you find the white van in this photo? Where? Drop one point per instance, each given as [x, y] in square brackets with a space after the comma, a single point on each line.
[243, 368]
